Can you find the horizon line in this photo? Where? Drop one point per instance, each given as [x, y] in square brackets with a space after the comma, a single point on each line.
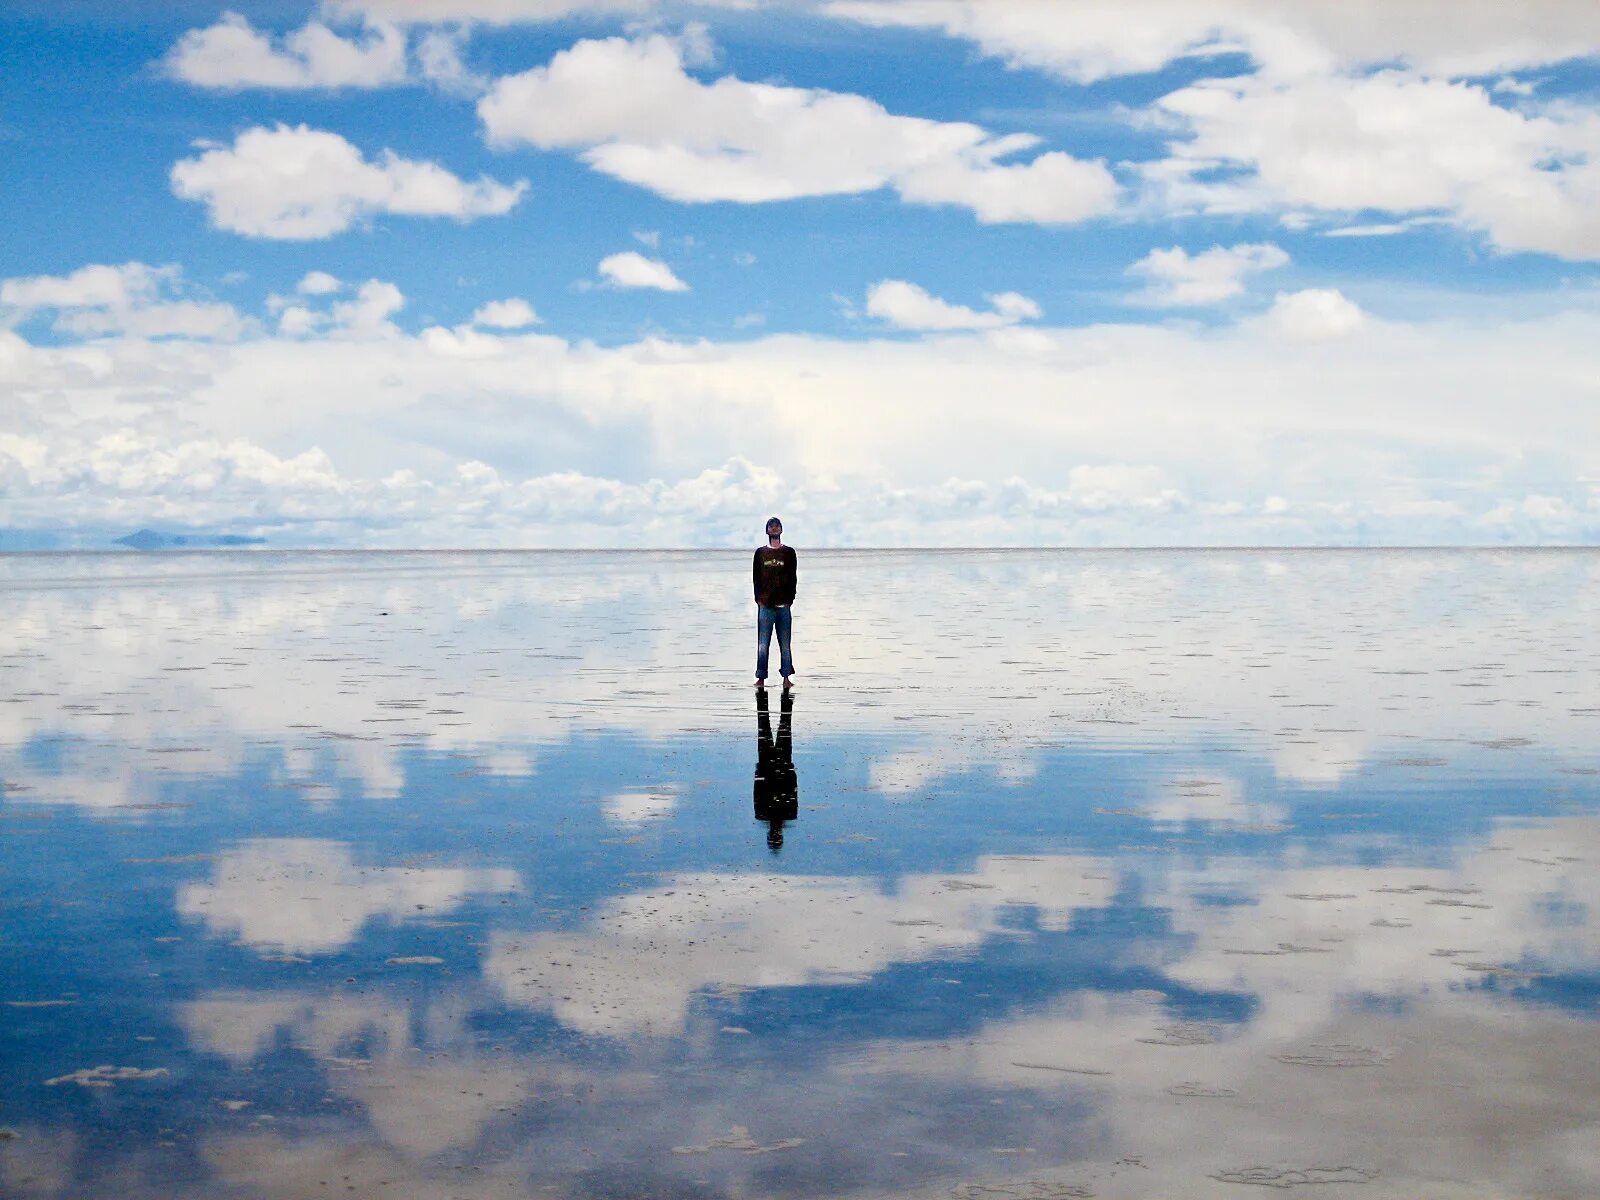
[127, 551]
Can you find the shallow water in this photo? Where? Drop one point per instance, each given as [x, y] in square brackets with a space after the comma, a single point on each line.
[1121, 874]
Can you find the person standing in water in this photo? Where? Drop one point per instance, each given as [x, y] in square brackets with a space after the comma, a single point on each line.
[773, 574]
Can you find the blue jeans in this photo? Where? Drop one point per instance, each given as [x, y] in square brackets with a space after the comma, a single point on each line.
[768, 619]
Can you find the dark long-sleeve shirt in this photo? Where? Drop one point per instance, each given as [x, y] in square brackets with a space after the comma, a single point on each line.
[774, 575]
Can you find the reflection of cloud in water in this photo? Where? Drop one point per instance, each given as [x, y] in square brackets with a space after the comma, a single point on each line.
[418, 1099]
[37, 1162]
[93, 774]
[310, 896]
[903, 772]
[507, 762]
[1316, 935]
[629, 809]
[650, 952]
[283, 1168]
[1320, 760]
[1202, 795]
[1324, 655]
[1437, 1108]
[1448, 1081]
[419, 1104]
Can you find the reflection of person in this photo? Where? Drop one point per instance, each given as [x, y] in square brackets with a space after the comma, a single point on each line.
[773, 574]
[777, 790]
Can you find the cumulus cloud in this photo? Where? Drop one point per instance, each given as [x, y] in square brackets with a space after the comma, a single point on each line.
[907, 306]
[318, 283]
[297, 321]
[94, 286]
[1053, 189]
[514, 313]
[1090, 40]
[367, 315]
[753, 142]
[1390, 142]
[1353, 108]
[1316, 314]
[134, 299]
[1177, 278]
[298, 183]
[630, 269]
[232, 54]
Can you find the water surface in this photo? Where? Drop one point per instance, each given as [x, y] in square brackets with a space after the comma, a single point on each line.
[1121, 874]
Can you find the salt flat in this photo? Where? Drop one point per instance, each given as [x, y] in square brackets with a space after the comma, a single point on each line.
[1118, 873]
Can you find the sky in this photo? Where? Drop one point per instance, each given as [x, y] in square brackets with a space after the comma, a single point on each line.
[528, 273]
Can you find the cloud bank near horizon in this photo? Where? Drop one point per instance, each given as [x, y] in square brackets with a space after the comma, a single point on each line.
[341, 428]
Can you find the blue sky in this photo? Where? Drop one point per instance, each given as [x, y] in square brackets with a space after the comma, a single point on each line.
[911, 271]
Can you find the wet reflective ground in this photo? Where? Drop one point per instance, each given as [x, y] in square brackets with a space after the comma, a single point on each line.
[1122, 874]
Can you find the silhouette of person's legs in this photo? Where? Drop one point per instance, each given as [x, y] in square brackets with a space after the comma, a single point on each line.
[777, 791]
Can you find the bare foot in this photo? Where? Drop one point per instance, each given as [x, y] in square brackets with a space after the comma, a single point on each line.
[761, 685]
[787, 683]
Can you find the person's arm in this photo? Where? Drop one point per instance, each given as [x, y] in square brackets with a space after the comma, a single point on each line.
[755, 575]
[794, 573]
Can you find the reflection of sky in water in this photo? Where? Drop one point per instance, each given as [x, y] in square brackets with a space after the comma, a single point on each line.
[1138, 874]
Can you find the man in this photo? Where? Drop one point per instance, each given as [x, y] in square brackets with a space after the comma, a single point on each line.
[773, 574]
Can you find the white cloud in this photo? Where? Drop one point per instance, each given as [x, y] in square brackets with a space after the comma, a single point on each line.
[1113, 486]
[134, 300]
[232, 54]
[1514, 87]
[1053, 189]
[753, 142]
[1177, 278]
[1355, 105]
[518, 12]
[347, 429]
[1379, 229]
[630, 269]
[297, 321]
[298, 183]
[318, 283]
[907, 306]
[1391, 142]
[440, 63]
[367, 316]
[94, 286]
[1316, 314]
[364, 316]
[179, 318]
[490, 12]
[514, 313]
[1095, 39]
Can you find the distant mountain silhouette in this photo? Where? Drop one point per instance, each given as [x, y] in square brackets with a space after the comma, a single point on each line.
[149, 539]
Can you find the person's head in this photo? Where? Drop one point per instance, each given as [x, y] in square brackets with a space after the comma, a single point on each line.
[774, 529]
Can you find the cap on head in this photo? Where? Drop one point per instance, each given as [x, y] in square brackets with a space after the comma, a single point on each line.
[771, 521]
